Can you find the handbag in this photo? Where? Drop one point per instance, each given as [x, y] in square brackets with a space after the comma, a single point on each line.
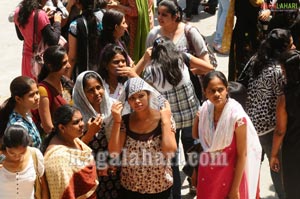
[194, 152]
[37, 182]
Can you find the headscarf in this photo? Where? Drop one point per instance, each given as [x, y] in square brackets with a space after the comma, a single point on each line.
[85, 107]
[136, 84]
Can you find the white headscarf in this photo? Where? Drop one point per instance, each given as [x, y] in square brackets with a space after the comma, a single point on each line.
[86, 109]
[136, 84]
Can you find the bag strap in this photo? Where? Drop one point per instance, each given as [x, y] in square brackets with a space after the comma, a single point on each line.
[187, 29]
[35, 30]
[246, 67]
[35, 161]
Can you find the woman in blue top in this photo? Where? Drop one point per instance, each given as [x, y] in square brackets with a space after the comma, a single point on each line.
[16, 109]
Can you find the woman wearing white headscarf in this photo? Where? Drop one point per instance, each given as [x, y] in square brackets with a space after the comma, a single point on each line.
[92, 99]
[146, 141]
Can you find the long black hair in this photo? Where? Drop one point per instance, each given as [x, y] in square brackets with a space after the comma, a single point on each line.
[15, 136]
[53, 57]
[277, 42]
[20, 86]
[63, 115]
[26, 8]
[168, 59]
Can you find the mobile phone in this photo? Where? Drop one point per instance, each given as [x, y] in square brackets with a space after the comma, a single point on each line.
[2, 158]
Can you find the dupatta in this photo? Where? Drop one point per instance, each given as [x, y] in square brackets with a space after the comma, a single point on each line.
[214, 139]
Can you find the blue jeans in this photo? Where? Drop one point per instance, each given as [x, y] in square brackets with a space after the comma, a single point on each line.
[266, 143]
[221, 19]
[187, 141]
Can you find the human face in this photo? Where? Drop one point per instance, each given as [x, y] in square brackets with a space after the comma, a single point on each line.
[30, 100]
[118, 61]
[65, 65]
[216, 92]
[139, 101]
[74, 128]
[16, 154]
[164, 17]
[94, 91]
[120, 29]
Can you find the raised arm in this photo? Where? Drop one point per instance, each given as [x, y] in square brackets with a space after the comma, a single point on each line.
[118, 135]
[168, 145]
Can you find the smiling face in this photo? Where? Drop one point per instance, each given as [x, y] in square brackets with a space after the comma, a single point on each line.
[139, 101]
[94, 91]
[216, 92]
[65, 65]
[31, 99]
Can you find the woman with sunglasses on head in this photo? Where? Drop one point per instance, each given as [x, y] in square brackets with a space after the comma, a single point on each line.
[22, 166]
[69, 163]
[114, 69]
[91, 97]
[145, 135]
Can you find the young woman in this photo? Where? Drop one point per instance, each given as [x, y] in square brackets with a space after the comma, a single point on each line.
[83, 39]
[286, 136]
[69, 164]
[53, 86]
[230, 160]
[24, 20]
[170, 76]
[92, 99]
[149, 132]
[22, 165]
[16, 109]
[139, 17]
[114, 69]
[114, 28]
[262, 96]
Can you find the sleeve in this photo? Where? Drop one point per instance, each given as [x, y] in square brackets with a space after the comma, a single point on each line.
[278, 81]
[50, 33]
[40, 159]
[43, 91]
[198, 42]
[73, 28]
[240, 122]
[151, 37]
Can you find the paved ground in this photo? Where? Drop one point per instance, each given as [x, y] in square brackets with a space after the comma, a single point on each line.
[10, 67]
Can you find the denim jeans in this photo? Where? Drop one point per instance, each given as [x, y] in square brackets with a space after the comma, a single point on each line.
[221, 19]
[187, 141]
[266, 143]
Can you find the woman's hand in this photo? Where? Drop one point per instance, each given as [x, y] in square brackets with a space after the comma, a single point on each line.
[126, 72]
[94, 124]
[165, 112]
[116, 111]
[274, 163]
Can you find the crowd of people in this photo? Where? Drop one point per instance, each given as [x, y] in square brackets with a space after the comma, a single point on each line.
[104, 115]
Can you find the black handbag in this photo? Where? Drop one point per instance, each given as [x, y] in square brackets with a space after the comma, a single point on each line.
[244, 77]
